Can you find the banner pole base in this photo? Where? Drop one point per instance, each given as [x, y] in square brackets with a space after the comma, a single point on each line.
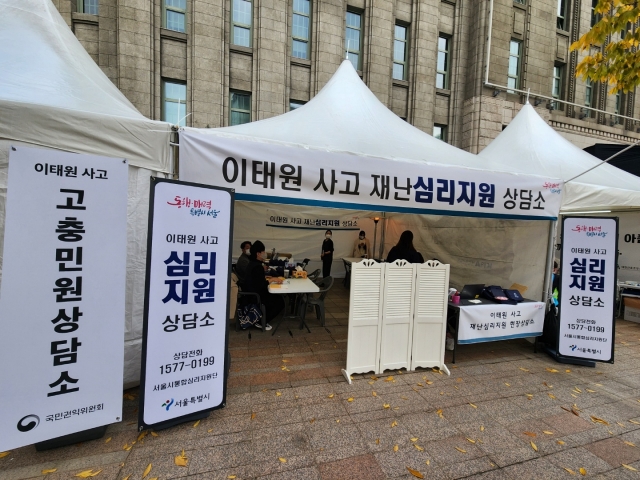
[568, 360]
[72, 438]
[180, 420]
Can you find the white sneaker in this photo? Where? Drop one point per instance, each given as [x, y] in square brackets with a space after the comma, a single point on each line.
[450, 344]
[267, 327]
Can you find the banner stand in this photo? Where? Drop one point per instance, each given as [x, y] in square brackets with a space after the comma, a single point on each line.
[553, 353]
[73, 438]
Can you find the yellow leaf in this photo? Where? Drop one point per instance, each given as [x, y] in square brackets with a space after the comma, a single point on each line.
[461, 450]
[338, 420]
[439, 412]
[284, 360]
[482, 428]
[533, 445]
[590, 391]
[350, 399]
[629, 467]
[395, 448]
[568, 371]
[577, 389]
[524, 369]
[595, 419]
[146, 470]
[547, 432]
[85, 474]
[599, 385]
[473, 405]
[508, 385]
[551, 370]
[428, 462]
[551, 396]
[471, 440]
[530, 434]
[154, 434]
[282, 459]
[386, 405]
[377, 441]
[127, 447]
[634, 422]
[142, 435]
[126, 478]
[253, 415]
[371, 382]
[196, 424]
[107, 440]
[231, 477]
[620, 423]
[394, 424]
[95, 473]
[583, 472]
[573, 396]
[429, 382]
[374, 378]
[529, 395]
[312, 420]
[569, 470]
[331, 395]
[278, 394]
[560, 442]
[418, 447]
[420, 385]
[415, 473]
[50, 470]
[389, 379]
[374, 394]
[414, 439]
[180, 461]
[629, 443]
[4, 454]
[404, 398]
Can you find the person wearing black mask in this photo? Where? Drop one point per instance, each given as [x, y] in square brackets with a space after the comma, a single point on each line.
[405, 250]
[256, 282]
[327, 254]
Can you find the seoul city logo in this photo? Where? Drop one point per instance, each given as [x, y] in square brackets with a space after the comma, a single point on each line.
[167, 404]
[573, 347]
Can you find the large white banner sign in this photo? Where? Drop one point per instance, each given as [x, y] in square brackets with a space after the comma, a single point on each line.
[62, 298]
[186, 314]
[588, 287]
[488, 323]
[263, 172]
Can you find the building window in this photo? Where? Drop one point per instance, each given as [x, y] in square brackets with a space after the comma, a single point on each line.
[521, 2]
[513, 79]
[174, 15]
[442, 66]
[400, 52]
[240, 111]
[241, 23]
[556, 87]
[174, 102]
[293, 104]
[595, 18]
[440, 132]
[588, 97]
[354, 39]
[301, 30]
[88, 6]
[619, 110]
[562, 22]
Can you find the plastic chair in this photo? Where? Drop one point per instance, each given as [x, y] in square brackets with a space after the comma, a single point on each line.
[304, 263]
[318, 302]
[245, 298]
[313, 276]
[347, 275]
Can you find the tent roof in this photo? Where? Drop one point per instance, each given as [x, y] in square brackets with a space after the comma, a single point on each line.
[345, 116]
[530, 145]
[53, 94]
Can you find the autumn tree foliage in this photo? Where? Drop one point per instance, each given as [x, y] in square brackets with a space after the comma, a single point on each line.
[612, 44]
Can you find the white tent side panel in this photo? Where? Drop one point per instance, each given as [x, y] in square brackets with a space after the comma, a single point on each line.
[489, 251]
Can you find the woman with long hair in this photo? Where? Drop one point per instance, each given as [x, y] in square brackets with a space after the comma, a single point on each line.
[404, 250]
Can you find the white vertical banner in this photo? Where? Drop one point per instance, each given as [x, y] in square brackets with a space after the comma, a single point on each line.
[63, 292]
[186, 303]
[588, 287]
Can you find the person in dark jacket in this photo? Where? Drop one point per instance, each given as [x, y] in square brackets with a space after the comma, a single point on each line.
[256, 282]
[327, 254]
[243, 260]
[405, 250]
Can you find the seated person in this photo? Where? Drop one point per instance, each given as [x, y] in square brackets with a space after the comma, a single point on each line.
[405, 250]
[243, 260]
[256, 282]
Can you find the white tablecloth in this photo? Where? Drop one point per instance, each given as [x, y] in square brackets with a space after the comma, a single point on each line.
[294, 285]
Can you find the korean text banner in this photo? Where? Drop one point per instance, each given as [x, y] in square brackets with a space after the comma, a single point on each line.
[588, 287]
[487, 323]
[63, 292]
[185, 329]
[264, 172]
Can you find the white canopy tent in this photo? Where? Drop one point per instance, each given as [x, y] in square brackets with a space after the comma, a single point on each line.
[53, 95]
[345, 120]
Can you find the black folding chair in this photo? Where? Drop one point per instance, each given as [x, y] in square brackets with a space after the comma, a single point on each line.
[318, 302]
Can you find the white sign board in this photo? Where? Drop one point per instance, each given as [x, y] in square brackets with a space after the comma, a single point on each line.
[629, 246]
[263, 172]
[588, 287]
[186, 311]
[489, 323]
[63, 292]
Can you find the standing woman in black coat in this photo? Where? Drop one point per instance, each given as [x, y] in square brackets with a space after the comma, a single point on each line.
[327, 254]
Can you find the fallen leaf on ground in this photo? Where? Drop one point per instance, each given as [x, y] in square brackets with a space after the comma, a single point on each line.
[419, 384]
[569, 470]
[195, 425]
[629, 443]
[595, 419]
[394, 424]
[395, 448]
[547, 432]
[312, 420]
[374, 378]
[107, 440]
[181, 460]
[551, 370]
[629, 467]
[253, 415]
[507, 384]
[597, 384]
[87, 474]
[529, 395]
[530, 434]
[386, 405]
[533, 445]
[374, 394]
[142, 435]
[429, 382]
[389, 379]
[482, 428]
[127, 477]
[371, 383]
[524, 369]
[4, 454]
[154, 434]
[418, 447]
[620, 423]
[474, 406]
[560, 442]
[552, 396]
[414, 439]
[577, 389]
[350, 399]
[278, 394]
[338, 420]
[146, 471]
[49, 470]
[428, 462]
[377, 441]
[331, 395]
[231, 477]
[471, 440]
[583, 472]
[127, 447]
[404, 398]
[461, 450]
[396, 408]
[415, 473]
[568, 371]
[590, 391]
[282, 459]
[634, 422]
[439, 412]
[284, 360]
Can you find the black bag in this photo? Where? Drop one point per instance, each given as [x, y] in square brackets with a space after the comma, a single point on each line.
[496, 294]
[514, 295]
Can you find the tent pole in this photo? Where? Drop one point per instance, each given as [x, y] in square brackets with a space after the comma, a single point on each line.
[383, 231]
[546, 295]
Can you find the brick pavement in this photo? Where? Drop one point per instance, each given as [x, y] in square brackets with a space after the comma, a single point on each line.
[291, 415]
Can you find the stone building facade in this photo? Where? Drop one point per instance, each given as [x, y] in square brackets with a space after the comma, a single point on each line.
[220, 62]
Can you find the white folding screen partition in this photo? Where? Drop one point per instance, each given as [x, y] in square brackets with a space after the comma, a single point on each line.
[430, 315]
[365, 315]
[397, 316]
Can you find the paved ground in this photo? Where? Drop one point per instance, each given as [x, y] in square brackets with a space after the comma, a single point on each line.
[504, 412]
